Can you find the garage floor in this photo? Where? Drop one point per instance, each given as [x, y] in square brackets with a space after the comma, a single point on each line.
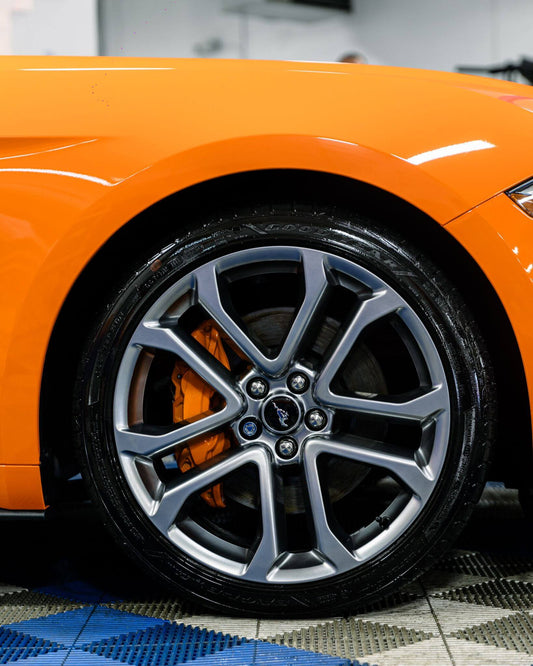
[68, 597]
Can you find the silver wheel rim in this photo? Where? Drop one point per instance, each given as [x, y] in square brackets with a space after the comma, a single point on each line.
[334, 550]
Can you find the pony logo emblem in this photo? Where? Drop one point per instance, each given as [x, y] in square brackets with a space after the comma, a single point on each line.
[283, 415]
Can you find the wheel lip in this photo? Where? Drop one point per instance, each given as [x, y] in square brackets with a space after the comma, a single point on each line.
[125, 373]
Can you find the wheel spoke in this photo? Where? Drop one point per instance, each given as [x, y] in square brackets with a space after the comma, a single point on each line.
[316, 283]
[139, 441]
[195, 356]
[315, 286]
[420, 480]
[208, 294]
[196, 480]
[418, 408]
[270, 544]
[148, 444]
[327, 543]
[380, 304]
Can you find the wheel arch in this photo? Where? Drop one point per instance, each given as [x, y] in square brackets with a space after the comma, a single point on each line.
[249, 190]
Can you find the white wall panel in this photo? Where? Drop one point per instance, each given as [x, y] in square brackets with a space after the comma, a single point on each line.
[436, 34]
[327, 39]
[515, 29]
[417, 33]
[56, 27]
[167, 28]
[182, 28]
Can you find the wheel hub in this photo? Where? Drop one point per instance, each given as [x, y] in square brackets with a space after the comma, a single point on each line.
[282, 413]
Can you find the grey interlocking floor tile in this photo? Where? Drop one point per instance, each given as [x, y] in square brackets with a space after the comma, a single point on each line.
[437, 581]
[28, 605]
[236, 626]
[467, 653]
[526, 577]
[9, 589]
[415, 614]
[432, 652]
[277, 627]
[513, 632]
[500, 593]
[351, 638]
[164, 609]
[485, 564]
[454, 615]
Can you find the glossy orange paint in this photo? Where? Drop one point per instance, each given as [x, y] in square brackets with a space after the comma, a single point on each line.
[499, 236]
[20, 488]
[86, 144]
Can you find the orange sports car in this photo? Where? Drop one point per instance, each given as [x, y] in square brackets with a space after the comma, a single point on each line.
[278, 315]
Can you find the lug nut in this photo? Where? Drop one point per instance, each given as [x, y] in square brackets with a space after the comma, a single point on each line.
[250, 428]
[298, 383]
[286, 448]
[316, 419]
[257, 388]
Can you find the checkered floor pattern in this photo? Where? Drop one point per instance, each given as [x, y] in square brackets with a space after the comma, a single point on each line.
[68, 598]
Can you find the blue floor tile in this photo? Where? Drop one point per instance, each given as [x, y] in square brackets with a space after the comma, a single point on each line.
[59, 628]
[257, 653]
[165, 644]
[49, 659]
[79, 658]
[15, 646]
[65, 658]
[105, 623]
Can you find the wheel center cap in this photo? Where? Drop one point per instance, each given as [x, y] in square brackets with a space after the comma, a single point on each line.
[281, 414]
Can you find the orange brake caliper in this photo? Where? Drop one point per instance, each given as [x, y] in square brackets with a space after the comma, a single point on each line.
[192, 398]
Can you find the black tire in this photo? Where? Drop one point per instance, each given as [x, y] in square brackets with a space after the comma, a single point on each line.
[428, 334]
[525, 496]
